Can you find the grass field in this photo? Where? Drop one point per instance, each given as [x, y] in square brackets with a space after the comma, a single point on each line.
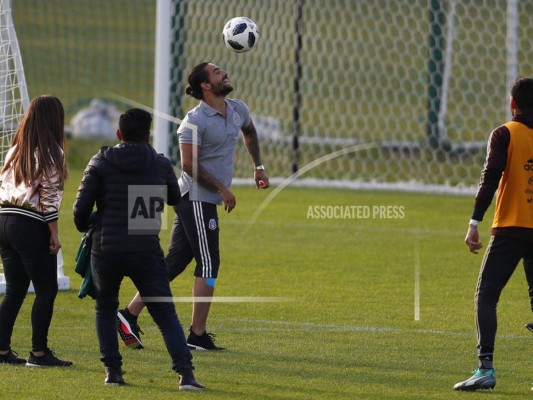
[367, 307]
[344, 326]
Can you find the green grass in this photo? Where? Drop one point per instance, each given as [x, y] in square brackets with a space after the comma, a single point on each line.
[345, 328]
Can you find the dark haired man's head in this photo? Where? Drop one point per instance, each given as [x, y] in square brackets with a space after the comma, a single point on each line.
[134, 125]
[522, 93]
[207, 77]
[197, 76]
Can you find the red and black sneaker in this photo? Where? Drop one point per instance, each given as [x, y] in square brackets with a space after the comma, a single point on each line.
[129, 331]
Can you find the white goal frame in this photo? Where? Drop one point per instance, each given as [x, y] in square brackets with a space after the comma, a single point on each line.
[6, 20]
[451, 30]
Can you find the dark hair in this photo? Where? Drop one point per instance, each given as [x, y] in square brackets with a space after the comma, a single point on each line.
[522, 93]
[134, 125]
[40, 137]
[197, 76]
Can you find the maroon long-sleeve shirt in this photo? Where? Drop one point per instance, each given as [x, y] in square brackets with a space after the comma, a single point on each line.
[493, 168]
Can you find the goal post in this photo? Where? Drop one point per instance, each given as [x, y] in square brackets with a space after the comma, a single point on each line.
[161, 125]
[365, 72]
[358, 72]
[512, 44]
[14, 100]
[13, 90]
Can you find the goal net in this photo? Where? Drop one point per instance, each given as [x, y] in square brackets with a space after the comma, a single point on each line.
[423, 81]
[13, 91]
[402, 93]
[13, 101]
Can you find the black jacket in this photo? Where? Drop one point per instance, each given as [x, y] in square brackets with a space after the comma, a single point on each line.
[106, 180]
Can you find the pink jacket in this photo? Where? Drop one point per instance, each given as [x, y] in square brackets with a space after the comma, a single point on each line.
[41, 200]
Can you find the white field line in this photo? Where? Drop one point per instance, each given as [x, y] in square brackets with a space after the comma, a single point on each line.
[217, 299]
[310, 326]
[243, 325]
[417, 279]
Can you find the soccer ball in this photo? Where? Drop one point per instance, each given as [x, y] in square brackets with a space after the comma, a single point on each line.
[240, 34]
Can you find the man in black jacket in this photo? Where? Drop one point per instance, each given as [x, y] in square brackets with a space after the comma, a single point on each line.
[129, 184]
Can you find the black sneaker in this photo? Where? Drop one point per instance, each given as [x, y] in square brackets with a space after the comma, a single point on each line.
[129, 331]
[48, 359]
[11, 357]
[113, 376]
[202, 342]
[189, 382]
[530, 326]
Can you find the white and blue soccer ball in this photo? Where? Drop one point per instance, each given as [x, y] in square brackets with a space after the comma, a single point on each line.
[240, 34]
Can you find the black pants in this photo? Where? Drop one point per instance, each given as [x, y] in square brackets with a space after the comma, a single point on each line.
[500, 260]
[195, 234]
[148, 272]
[25, 252]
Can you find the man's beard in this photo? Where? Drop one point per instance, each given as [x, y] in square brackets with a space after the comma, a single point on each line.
[223, 90]
[227, 90]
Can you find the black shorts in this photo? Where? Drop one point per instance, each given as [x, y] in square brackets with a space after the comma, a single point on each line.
[195, 235]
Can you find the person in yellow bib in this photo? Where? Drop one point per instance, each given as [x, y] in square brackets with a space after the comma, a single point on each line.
[508, 169]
